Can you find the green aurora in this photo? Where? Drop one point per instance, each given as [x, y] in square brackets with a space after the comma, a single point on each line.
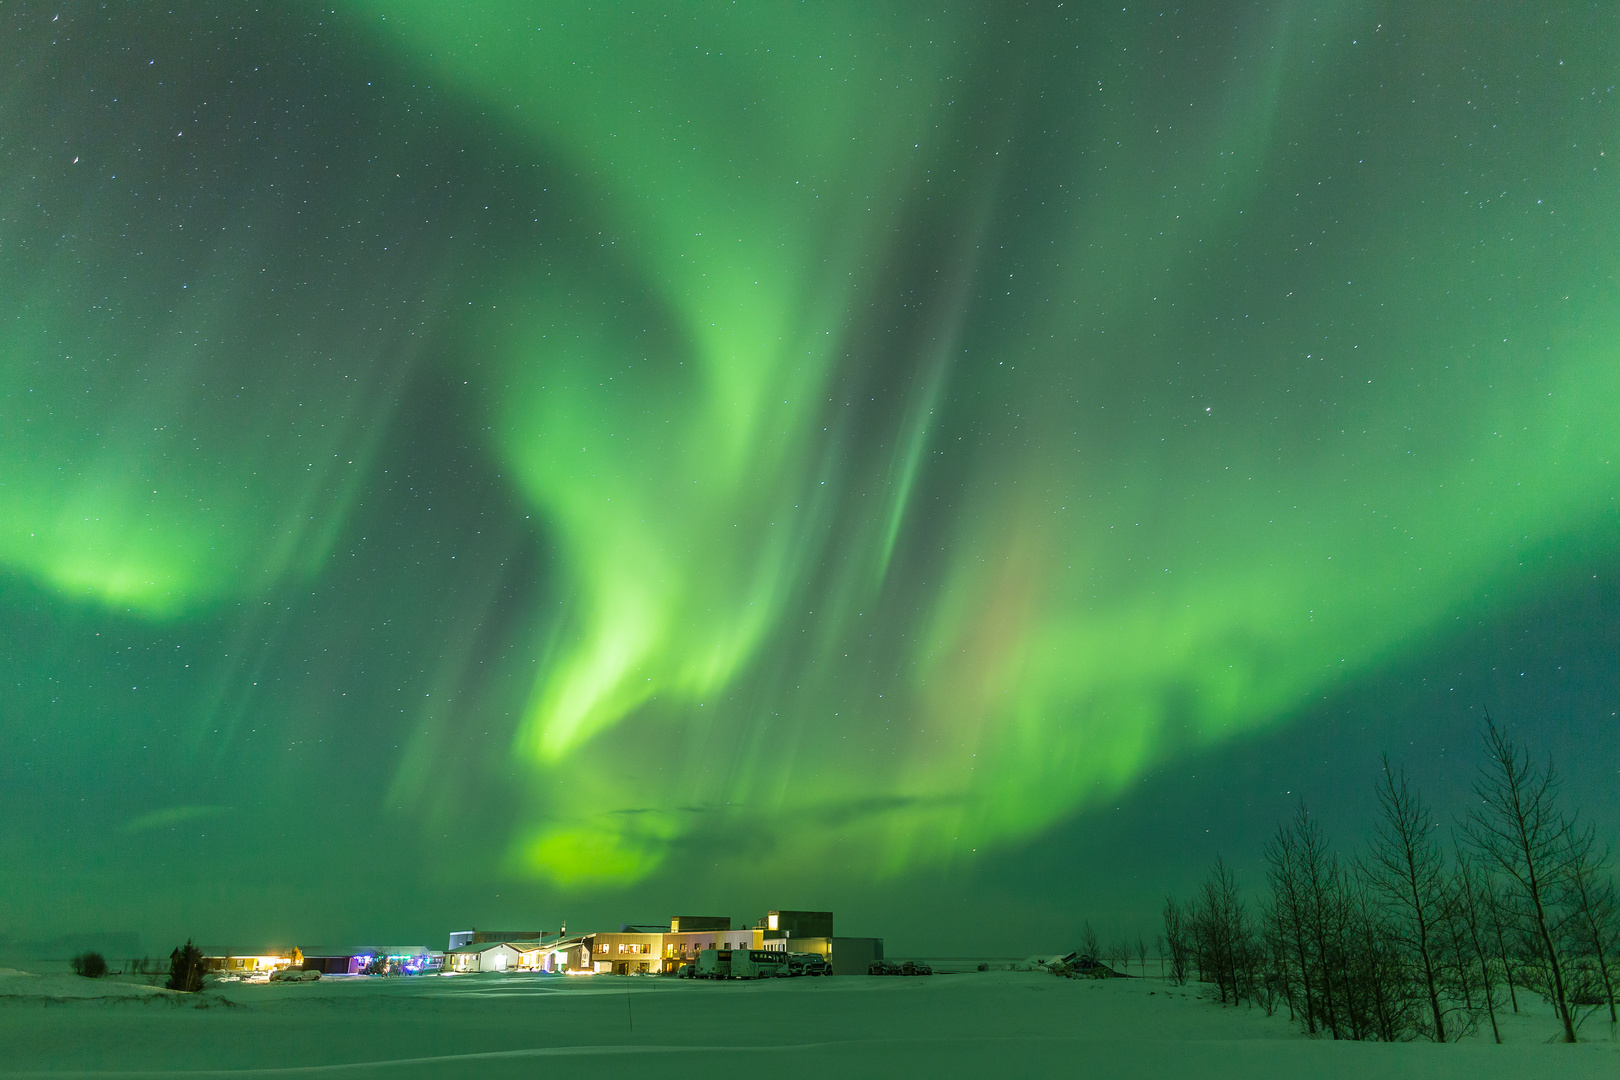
[904, 425]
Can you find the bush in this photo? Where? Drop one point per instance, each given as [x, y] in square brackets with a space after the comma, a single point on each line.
[186, 969]
[92, 965]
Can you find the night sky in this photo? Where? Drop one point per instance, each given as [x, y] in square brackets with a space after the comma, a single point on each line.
[961, 465]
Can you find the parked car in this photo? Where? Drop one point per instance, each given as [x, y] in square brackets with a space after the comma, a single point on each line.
[808, 964]
[294, 975]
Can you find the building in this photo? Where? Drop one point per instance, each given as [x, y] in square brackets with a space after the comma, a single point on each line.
[475, 936]
[484, 956]
[644, 950]
[635, 950]
[847, 955]
[812, 932]
[357, 960]
[337, 963]
[652, 950]
[251, 964]
[796, 924]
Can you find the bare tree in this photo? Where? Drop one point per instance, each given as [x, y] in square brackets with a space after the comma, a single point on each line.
[1280, 947]
[1594, 925]
[1141, 954]
[1405, 871]
[1287, 912]
[1089, 946]
[1344, 916]
[1470, 890]
[1378, 968]
[1497, 914]
[1461, 976]
[1321, 883]
[1221, 929]
[1119, 955]
[1174, 943]
[1521, 832]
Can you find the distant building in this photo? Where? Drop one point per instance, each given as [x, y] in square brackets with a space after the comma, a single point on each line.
[651, 950]
[232, 963]
[354, 960]
[343, 963]
[475, 936]
[636, 951]
[484, 956]
[847, 955]
[812, 932]
[796, 924]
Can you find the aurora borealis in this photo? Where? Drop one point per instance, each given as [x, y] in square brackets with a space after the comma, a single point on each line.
[558, 445]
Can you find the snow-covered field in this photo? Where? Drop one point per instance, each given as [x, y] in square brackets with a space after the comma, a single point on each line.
[974, 1024]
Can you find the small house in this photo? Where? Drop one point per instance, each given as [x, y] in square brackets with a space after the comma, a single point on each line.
[483, 956]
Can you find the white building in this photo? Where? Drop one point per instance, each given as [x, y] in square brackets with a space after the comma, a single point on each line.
[485, 956]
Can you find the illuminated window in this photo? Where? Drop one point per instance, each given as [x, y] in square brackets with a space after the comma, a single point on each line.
[771, 920]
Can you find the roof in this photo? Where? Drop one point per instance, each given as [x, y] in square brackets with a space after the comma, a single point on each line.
[485, 946]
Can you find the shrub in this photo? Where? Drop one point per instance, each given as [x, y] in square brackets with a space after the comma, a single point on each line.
[92, 965]
[186, 969]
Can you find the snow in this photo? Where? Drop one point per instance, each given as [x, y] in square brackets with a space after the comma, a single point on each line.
[973, 1024]
[17, 986]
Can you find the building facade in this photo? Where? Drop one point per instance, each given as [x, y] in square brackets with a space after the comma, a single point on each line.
[651, 951]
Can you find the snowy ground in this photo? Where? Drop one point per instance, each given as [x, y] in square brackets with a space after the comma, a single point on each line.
[973, 1024]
